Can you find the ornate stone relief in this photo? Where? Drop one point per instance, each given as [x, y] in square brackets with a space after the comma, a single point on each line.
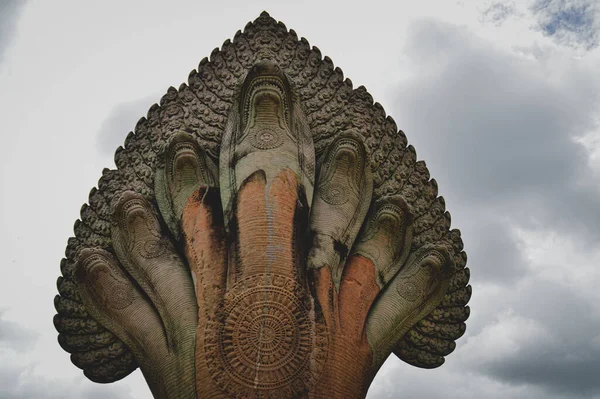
[267, 233]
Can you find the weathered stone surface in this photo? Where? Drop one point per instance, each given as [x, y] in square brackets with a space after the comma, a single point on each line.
[268, 233]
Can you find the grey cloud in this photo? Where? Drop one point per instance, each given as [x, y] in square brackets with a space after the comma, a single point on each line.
[498, 12]
[529, 340]
[15, 337]
[498, 132]
[571, 22]
[452, 381]
[20, 384]
[570, 377]
[9, 13]
[119, 122]
[497, 256]
[18, 378]
[557, 352]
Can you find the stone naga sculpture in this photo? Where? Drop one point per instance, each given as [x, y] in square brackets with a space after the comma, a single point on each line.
[268, 234]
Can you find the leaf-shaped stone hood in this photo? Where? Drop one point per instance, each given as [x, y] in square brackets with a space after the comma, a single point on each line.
[401, 226]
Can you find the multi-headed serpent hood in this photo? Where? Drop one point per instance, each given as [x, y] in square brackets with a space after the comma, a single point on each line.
[269, 101]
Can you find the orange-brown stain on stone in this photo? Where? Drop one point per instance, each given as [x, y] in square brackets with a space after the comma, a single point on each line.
[347, 374]
[283, 200]
[205, 244]
[266, 220]
[266, 226]
[253, 229]
[205, 251]
[358, 291]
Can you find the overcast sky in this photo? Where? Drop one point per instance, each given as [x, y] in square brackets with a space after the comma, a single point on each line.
[500, 98]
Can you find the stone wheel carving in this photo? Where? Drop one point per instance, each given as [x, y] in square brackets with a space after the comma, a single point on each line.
[375, 217]
[266, 324]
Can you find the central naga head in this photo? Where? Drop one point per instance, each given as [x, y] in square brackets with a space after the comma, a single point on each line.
[265, 99]
[268, 234]
[267, 131]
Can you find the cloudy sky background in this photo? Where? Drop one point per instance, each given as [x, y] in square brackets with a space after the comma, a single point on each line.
[500, 98]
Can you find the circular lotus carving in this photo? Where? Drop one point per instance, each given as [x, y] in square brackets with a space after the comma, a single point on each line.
[266, 340]
[266, 139]
[335, 194]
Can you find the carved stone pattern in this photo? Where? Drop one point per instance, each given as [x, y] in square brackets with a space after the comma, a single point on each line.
[120, 296]
[266, 139]
[409, 291]
[200, 108]
[334, 194]
[153, 249]
[266, 322]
